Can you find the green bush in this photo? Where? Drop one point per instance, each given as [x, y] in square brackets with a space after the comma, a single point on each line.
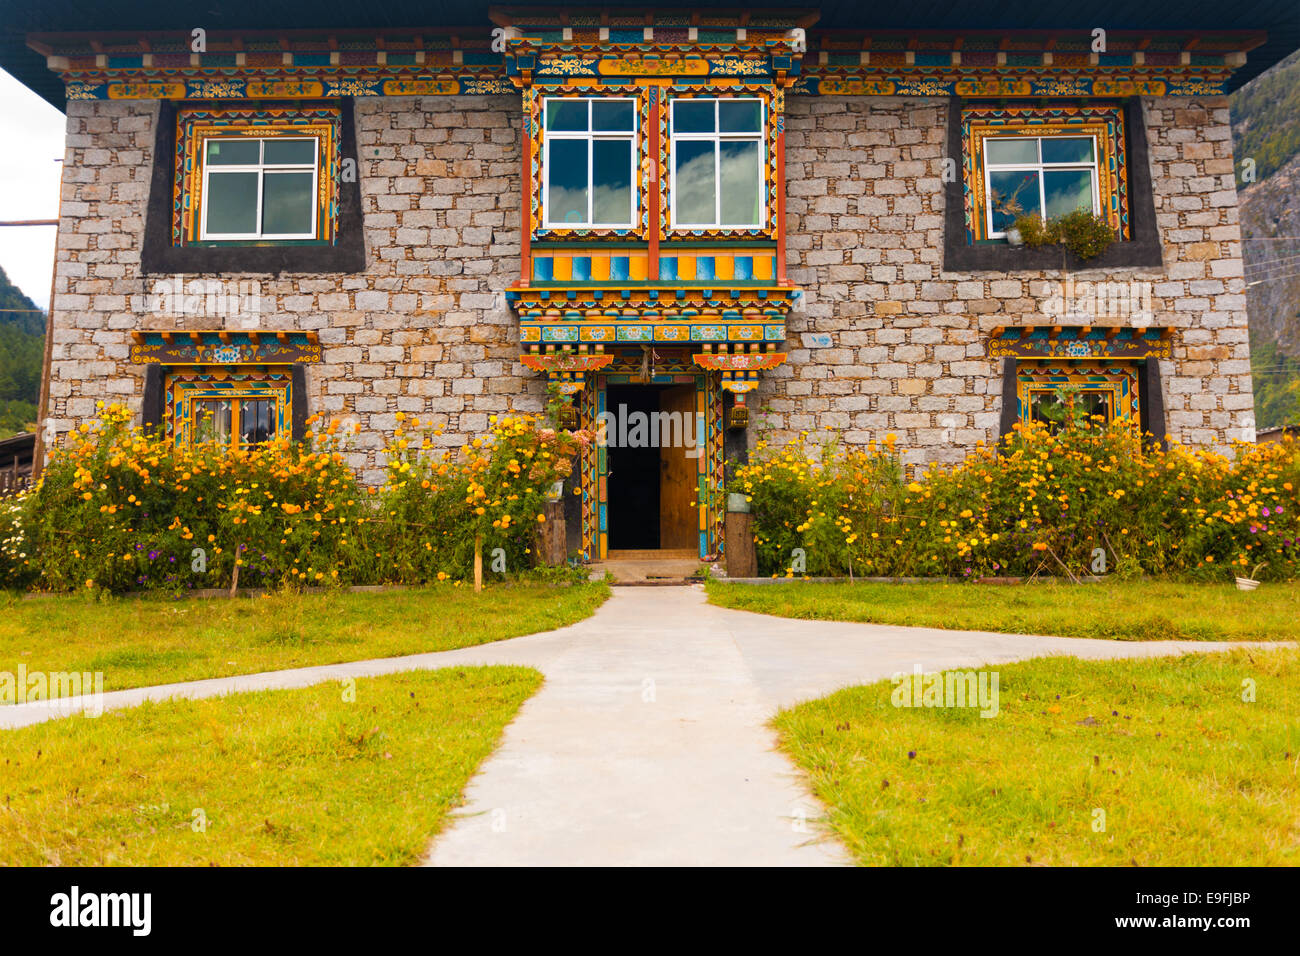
[120, 510]
[1081, 232]
[1045, 501]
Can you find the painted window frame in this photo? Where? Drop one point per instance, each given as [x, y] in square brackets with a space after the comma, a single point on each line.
[1120, 379]
[262, 169]
[590, 136]
[1118, 174]
[189, 387]
[717, 137]
[1041, 168]
[196, 124]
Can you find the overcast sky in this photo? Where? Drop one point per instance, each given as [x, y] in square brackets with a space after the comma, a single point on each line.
[31, 131]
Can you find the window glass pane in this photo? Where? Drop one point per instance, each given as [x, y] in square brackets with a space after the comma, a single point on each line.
[739, 116]
[693, 116]
[566, 177]
[212, 421]
[1097, 403]
[1048, 408]
[1069, 149]
[279, 152]
[1067, 190]
[741, 183]
[613, 181]
[255, 424]
[612, 116]
[1011, 195]
[231, 203]
[287, 203]
[695, 196]
[566, 115]
[232, 152]
[999, 152]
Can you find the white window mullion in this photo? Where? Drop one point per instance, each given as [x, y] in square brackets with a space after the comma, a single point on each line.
[261, 179]
[718, 164]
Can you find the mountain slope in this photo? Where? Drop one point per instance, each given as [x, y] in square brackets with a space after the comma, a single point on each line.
[1266, 129]
[22, 350]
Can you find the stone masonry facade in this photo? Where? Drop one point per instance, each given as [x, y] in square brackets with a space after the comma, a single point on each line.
[908, 350]
[885, 340]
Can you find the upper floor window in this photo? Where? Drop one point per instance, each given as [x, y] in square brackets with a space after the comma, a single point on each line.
[259, 188]
[717, 163]
[1033, 175]
[1024, 160]
[255, 174]
[590, 163]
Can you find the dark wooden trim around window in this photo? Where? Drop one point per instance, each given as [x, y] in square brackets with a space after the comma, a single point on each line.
[1142, 250]
[298, 400]
[151, 411]
[1010, 398]
[1151, 403]
[158, 256]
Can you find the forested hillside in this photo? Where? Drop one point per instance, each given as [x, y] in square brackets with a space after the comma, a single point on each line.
[22, 344]
[1266, 129]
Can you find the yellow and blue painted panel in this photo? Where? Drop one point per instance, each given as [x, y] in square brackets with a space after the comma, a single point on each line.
[590, 266]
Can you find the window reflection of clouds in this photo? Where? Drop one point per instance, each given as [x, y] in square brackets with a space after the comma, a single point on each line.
[695, 182]
[1067, 190]
[613, 180]
[568, 180]
[588, 162]
[740, 183]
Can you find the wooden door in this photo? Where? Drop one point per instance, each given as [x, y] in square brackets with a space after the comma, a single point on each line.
[679, 474]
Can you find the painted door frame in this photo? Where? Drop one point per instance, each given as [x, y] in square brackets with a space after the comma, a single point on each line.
[595, 461]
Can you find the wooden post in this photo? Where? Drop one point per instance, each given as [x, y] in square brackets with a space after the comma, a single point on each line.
[553, 544]
[478, 563]
[234, 578]
[742, 559]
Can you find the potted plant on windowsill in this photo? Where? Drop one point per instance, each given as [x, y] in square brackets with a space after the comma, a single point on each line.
[1081, 232]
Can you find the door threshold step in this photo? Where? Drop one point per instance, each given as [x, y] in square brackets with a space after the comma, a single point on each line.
[655, 583]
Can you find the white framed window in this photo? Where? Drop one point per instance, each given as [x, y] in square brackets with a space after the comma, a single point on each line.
[1047, 175]
[718, 163]
[589, 162]
[259, 187]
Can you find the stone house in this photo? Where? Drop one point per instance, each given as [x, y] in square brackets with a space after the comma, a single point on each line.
[719, 223]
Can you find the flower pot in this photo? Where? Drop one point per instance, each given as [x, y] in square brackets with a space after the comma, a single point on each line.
[556, 491]
[1014, 238]
[737, 504]
[1247, 584]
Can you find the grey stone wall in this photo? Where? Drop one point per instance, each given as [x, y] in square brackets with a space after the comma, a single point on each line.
[908, 342]
[425, 329]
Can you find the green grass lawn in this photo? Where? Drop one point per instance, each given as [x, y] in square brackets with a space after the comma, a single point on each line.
[138, 642]
[1118, 610]
[284, 777]
[1185, 771]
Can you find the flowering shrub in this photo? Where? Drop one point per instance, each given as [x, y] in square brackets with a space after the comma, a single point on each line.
[1043, 502]
[494, 490]
[120, 510]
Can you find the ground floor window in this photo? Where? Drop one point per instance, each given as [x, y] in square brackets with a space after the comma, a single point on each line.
[239, 406]
[1053, 392]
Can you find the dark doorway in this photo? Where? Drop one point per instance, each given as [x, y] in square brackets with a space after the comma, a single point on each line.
[652, 468]
[632, 474]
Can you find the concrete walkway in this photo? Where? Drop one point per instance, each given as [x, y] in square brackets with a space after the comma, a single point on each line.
[648, 742]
